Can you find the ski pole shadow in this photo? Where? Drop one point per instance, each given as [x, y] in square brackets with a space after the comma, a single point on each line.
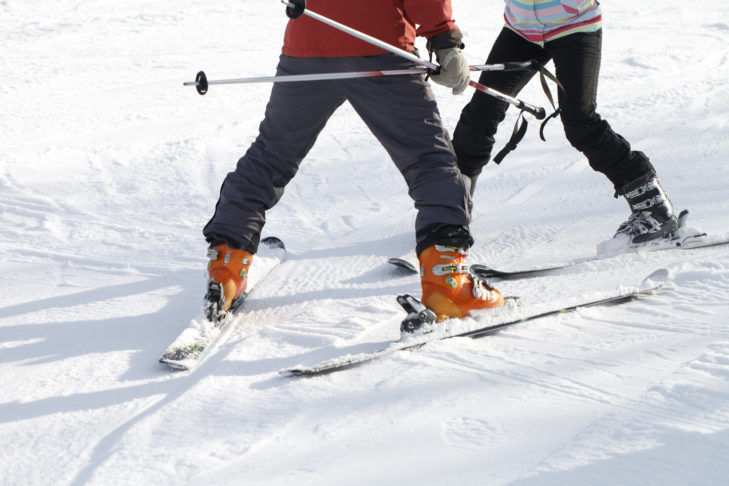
[46, 340]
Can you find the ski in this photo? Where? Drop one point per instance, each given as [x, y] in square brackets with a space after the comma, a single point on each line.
[189, 348]
[686, 242]
[483, 271]
[452, 328]
[687, 239]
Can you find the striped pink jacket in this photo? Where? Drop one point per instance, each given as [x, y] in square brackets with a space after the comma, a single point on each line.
[540, 21]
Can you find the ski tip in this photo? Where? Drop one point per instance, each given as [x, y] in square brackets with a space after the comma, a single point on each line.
[403, 264]
[656, 279]
[683, 218]
[179, 358]
[273, 242]
[175, 365]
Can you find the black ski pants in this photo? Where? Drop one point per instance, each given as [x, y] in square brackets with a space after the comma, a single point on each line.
[400, 111]
[577, 64]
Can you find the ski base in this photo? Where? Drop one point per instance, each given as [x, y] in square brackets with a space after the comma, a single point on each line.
[188, 349]
[451, 328]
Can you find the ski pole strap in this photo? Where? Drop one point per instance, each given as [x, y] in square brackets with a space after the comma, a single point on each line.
[544, 123]
[516, 135]
[543, 75]
[521, 125]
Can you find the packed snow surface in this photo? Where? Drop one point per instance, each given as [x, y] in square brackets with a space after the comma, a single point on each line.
[110, 167]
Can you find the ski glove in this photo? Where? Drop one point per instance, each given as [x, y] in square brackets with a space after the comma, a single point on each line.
[454, 71]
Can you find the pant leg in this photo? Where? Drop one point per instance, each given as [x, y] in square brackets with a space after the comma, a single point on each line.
[473, 138]
[295, 115]
[577, 65]
[402, 113]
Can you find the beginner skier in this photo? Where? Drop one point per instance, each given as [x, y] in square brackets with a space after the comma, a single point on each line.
[569, 32]
[400, 111]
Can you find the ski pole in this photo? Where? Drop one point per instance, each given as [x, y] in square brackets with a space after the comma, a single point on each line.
[201, 82]
[296, 8]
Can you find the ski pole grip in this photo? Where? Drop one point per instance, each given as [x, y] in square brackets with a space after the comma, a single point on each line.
[294, 8]
[518, 66]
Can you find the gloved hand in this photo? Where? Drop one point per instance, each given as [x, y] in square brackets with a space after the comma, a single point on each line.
[454, 71]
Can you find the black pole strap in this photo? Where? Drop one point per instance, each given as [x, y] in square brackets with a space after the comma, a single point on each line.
[521, 125]
[544, 123]
[543, 74]
[516, 135]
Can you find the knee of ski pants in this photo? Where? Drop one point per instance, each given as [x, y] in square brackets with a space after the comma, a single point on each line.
[584, 131]
[473, 137]
[472, 152]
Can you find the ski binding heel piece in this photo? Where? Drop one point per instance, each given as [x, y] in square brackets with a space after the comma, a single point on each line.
[214, 302]
[419, 318]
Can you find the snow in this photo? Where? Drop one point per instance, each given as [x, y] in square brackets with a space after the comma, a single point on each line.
[109, 168]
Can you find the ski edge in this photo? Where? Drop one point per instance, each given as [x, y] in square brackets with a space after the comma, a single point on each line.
[650, 284]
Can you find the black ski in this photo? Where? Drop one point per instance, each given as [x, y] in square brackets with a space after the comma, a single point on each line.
[188, 349]
[483, 271]
[686, 241]
[691, 242]
[650, 284]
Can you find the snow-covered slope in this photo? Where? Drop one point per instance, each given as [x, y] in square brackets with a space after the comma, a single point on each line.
[109, 168]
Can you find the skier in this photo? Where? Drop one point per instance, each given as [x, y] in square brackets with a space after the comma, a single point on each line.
[399, 110]
[570, 33]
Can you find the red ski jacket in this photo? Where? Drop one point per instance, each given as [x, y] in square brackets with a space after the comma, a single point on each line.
[396, 22]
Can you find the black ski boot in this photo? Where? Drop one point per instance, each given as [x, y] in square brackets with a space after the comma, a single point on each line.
[652, 215]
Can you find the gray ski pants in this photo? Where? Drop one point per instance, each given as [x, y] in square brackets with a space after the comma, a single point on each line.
[399, 110]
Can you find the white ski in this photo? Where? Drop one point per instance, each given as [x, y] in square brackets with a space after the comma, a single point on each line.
[188, 350]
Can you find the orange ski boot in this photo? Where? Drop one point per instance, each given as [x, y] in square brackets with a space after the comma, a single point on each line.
[228, 277]
[448, 289]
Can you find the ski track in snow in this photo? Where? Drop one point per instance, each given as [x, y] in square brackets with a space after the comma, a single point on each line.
[109, 168]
